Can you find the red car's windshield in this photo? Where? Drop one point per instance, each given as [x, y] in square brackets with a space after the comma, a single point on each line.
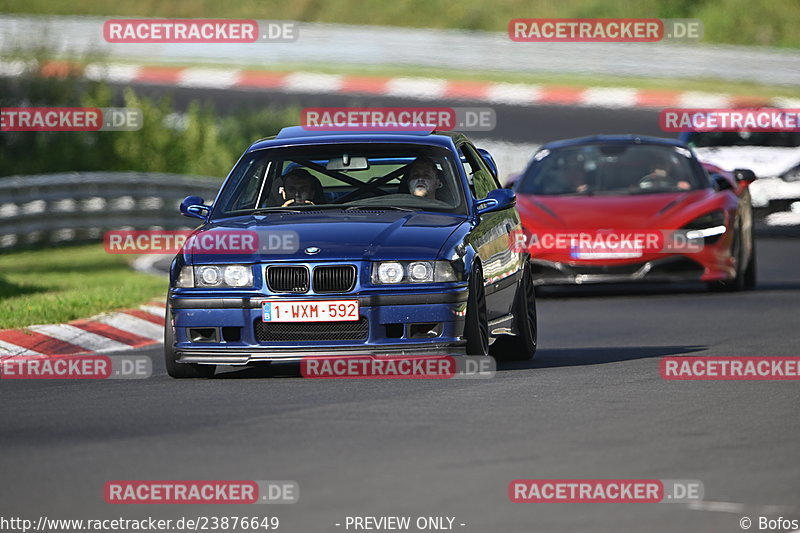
[614, 168]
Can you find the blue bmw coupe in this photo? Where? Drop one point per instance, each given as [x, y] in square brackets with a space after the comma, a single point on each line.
[351, 243]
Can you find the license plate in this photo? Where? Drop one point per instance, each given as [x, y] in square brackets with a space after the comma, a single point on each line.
[310, 311]
[604, 253]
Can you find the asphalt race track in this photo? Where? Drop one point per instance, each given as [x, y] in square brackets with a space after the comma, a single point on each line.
[526, 124]
[592, 405]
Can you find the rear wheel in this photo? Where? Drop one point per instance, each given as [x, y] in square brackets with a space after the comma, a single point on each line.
[522, 346]
[476, 326]
[174, 368]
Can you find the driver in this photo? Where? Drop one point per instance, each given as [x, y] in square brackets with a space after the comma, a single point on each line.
[423, 178]
[298, 188]
[575, 175]
[662, 171]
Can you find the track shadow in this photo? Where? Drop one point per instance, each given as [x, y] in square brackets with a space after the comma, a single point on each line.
[648, 290]
[619, 289]
[545, 358]
[562, 357]
[261, 370]
[9, 289]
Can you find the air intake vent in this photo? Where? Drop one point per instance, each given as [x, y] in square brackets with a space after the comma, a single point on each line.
[287, 279]
[334, 278]
[267, 332]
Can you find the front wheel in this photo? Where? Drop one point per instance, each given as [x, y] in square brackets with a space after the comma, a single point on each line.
[174, 368]
[522, 346]
[476, 325]
[739, 281]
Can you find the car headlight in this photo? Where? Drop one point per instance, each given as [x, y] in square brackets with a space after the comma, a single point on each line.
[393, 272]
[711, 225]
[216, 276]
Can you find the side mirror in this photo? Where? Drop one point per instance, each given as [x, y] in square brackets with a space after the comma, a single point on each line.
[192, 206]
[489, 160]
[745, 174]
[721, 182]
[497, 200]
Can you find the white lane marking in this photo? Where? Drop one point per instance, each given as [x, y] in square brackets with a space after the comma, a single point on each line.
[703, 100]
[609, 97]
[422, 88]
[513, 93]
[208, 77]
[134, 325]
[160, 312]
[786, 102]
[312, 82]
[9, 350]
[718, 507]
[113, 72]
[783, 218]
[79, 337]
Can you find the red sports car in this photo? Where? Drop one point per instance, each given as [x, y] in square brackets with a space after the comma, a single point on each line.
[628, 208]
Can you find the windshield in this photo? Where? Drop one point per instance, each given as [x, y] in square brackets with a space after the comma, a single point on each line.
[408, 177]
[613, 168]
[784, 139]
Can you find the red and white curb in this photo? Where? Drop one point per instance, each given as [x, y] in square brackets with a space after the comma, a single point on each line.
[404, 87]
[109, 332]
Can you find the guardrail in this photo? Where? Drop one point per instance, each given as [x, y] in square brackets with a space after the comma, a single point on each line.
[80, 207]
[381, 45]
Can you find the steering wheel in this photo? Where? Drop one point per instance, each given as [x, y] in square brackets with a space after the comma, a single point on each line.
[655, 181]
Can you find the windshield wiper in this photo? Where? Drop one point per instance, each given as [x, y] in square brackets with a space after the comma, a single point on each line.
[378, 208]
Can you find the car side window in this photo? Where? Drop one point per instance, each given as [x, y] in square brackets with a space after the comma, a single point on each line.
[482, 180]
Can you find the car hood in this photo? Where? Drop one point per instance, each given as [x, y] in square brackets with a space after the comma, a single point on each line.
[641, 211]
[765, 161]
[367, 235]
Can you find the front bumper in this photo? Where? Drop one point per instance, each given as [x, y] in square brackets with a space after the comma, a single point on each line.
[664, 269]
[396, 324]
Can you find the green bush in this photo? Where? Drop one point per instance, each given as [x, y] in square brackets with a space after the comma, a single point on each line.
[197, 141]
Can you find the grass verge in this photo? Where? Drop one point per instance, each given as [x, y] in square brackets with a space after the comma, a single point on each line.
[764, 23]
[56, 285]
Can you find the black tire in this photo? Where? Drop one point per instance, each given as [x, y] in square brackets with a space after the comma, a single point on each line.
[174, 368]
[750, 276]
[522, 346]
[476, 325]
[738, 282]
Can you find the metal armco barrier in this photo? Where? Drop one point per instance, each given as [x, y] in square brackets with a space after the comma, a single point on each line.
[80, 207]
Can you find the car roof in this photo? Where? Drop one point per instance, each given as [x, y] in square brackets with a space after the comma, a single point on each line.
[608, 139]
[298, 135]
